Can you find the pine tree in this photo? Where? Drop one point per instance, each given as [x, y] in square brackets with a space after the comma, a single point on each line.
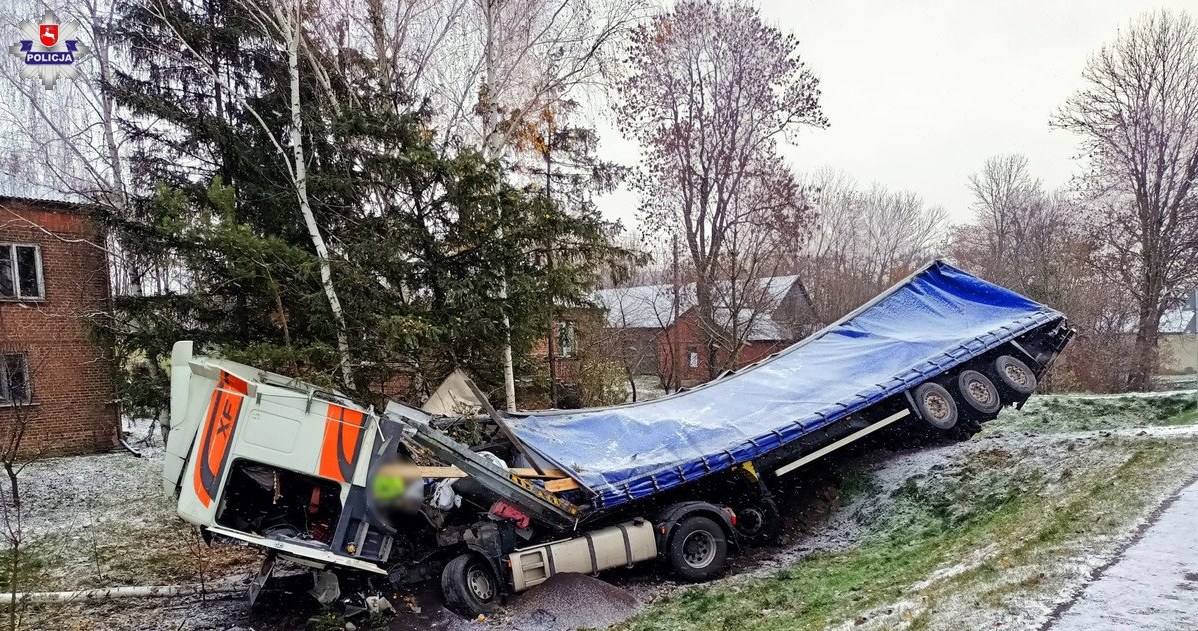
[412, 229]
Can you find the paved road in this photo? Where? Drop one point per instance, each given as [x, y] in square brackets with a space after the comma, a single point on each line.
[1153, 585]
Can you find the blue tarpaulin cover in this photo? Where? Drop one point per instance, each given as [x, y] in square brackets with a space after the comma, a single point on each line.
[936, 319]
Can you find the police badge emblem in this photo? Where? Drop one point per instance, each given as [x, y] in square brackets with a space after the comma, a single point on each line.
[49, 50]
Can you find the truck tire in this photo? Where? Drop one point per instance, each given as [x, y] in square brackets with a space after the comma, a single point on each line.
[698, 549]
[758, 522]
[1015, 375]
[469, 586]
[936, 406]
[978, 392]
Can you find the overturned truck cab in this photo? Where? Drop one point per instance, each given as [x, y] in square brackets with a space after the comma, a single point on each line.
[498, 503]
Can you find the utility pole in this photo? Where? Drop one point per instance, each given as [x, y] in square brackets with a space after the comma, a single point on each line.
[549, 261]
[675, 349]
[1192, 305]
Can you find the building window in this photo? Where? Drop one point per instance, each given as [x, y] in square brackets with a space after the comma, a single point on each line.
[692, 356]
[21, 272]
[14, 379]
[567, 339]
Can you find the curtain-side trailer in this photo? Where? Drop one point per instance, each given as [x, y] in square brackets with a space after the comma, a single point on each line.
[313, 478]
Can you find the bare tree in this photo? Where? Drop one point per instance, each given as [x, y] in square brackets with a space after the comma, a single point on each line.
[1004, 193]
[746, 295]
[14, 536]
[712, 90]
[19, 413]
[900, 233]
[1138, 119]
[861, 241]
[1020, 237]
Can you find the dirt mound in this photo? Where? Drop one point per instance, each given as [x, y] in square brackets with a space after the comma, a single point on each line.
[572, 601]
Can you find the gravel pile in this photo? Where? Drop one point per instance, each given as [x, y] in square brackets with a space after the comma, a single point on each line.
[572, 601]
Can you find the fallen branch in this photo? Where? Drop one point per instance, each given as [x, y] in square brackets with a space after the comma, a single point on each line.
[150, 591]
[127, 446]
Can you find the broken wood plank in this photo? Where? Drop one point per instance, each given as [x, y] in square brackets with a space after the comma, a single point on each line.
[557, 486]
[417, 471]
[528, 472]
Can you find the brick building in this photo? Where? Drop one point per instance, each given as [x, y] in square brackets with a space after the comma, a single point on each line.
[656, 330]
[683, 346]
[53, 283]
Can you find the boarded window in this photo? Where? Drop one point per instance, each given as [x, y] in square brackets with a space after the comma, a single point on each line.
[14, 379]
[692, 357]
[567, 339]
[8, 281]
[20, 271]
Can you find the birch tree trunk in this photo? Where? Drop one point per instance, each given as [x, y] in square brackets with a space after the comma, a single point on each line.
[290, 28]
[493, 150]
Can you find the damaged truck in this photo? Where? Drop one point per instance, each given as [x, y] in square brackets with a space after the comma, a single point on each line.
[399, 495]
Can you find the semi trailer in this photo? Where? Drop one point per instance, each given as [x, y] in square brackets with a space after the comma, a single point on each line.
[399, 495]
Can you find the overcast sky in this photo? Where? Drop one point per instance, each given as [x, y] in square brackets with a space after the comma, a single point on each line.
[919, 94]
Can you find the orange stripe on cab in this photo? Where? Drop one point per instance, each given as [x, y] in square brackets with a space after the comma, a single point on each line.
[343, 430]
[216, 437]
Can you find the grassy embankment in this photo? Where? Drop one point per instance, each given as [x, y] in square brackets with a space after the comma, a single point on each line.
[1017, 516]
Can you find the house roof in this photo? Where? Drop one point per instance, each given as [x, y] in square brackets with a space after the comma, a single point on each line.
[1178, 321]
[13, 188]
[652, 306]
[763, 328]
[644, 307]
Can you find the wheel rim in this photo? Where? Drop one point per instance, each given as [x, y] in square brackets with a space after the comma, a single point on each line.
[937, 406]
[749, 521]
[980, 393]
[480, 584]
[698, 549]
[1016, 375]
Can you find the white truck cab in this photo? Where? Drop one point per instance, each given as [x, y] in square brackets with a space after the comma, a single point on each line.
[268, 460]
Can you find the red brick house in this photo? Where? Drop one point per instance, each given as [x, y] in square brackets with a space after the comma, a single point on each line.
[652, 340]
[684, 347]
[53, 283]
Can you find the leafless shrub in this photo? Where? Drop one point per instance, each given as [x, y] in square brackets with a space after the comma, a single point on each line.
[1138, 119]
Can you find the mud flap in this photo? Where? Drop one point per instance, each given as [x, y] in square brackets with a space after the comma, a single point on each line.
[259, 581]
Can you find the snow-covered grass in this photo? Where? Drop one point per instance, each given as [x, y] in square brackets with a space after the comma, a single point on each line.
[1066, 413]
[992, 533]
[648, 387]
[104, 521]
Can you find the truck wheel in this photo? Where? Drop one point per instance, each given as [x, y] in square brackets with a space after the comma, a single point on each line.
[469, 586]
[1015, 374]
[698, 549]
[936, 405]
[978, 392]
[758, 522]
